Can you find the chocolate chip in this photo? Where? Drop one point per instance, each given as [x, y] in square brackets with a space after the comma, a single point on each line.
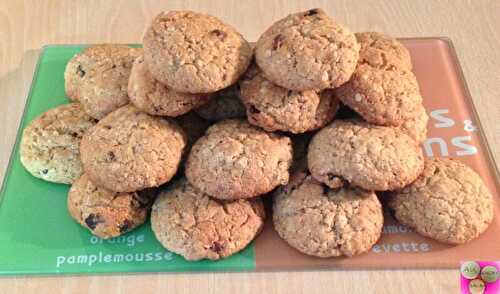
[45, 171]
[80, 71]
[337, 181]
[125, 226]
[311, 12]
[93, 220]
[110, 156]
[216, 247]
[252, 109]
[74, 134]
[277, 41]
[331, 176]
[219, 34]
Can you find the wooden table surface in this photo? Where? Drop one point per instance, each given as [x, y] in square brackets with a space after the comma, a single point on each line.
[25, 26]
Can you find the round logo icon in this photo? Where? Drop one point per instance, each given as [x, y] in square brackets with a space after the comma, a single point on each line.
[490, 274]
[470, 269]
[476, 286]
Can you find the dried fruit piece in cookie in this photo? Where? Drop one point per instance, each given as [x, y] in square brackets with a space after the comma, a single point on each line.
[194, 53]
[237, 160]
[383, 52]
[190, 223]
[155, 98]
[225, 105]
[275, 108]
[363, 155]
[382, 97]
[105, 213]
[449, 202]
[50, 146]
[130, 150]
[307, 51]
[323, 222]
[98, 77]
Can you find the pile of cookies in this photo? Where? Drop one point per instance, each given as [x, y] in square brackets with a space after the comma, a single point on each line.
[198, 125]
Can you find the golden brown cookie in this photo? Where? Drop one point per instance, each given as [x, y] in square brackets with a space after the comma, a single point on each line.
[417, 126]
[130, 150]
[190, 223]
[194, 52]
[382, 97]
[363, 155]
[319, 221]
[98, 77]
[225, 105]
[382, 51]
[307, 51]
[105, 213]
[50, 144]
[155, 98]
[237, 160]
[449, 202]
[275, 108]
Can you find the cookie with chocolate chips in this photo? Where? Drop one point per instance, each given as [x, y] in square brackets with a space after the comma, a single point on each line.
[98, 77]
[130, 150]
[105, 213]
[352, 152]
[50, 146]
[155, 98]
[323, 222]
[449, 202]
[307, 51]
[275, 108]
[235, 160]
[190, 223]
[194, 52]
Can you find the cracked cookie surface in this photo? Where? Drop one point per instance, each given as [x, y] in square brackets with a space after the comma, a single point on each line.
[98, 77]
[130, 150]
[307, 51]
[382, 97]
[417, 126]
[275, 108]
[449, 202]
[155, 98]
[105, 213]
[225, 105]
[237, 160]
[382, 51]
[190, 223]
[363, 155]
[50, 146]
[319, 221]
[194, 52]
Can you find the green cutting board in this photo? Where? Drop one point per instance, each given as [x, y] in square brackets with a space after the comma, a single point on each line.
[37, 234]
